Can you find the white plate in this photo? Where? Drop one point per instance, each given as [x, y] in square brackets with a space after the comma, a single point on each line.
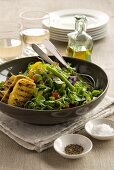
[67, 31]
[61, 142]
[88, 31]
[64, 38]
[64, 19]
[92, 123]
[92, 34]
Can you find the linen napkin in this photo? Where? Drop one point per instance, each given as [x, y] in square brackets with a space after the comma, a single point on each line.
[39, 138]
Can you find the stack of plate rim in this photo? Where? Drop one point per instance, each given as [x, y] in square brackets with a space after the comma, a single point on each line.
[63, 22]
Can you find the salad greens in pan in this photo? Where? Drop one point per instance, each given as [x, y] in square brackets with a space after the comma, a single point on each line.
[47, 87]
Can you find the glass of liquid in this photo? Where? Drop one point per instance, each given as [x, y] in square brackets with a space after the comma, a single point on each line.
[35, 29]
[10, 43]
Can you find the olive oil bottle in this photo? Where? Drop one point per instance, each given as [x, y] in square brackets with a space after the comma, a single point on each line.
[80, 44]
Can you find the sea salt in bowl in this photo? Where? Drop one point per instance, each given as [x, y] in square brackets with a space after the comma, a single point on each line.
[101, 129]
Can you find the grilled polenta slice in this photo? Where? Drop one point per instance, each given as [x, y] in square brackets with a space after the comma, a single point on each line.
[9, 85]
[22, 92]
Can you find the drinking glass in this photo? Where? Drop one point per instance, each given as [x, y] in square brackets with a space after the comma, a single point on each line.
[35, 29]
[10, 43]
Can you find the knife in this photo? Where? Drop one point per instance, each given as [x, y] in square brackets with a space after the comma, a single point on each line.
[55, 52]
[40, 52]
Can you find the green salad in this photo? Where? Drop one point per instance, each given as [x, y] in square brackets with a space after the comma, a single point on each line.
[47, 87]
[57, 88]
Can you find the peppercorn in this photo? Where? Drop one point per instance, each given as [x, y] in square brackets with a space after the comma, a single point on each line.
[73, 149]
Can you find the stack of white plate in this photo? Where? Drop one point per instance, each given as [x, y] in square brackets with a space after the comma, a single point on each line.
[63, 22]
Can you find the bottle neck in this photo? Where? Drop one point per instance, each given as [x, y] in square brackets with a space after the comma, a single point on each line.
[80, 26]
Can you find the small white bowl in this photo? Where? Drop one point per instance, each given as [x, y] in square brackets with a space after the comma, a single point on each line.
[96, 134]
[61, 142]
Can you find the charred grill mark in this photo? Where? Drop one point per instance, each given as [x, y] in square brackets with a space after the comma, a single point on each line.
[23, 96]
[25, 85]
[24, 91]
[10, 89]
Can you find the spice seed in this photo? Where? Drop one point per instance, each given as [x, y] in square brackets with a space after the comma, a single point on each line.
[73, 149]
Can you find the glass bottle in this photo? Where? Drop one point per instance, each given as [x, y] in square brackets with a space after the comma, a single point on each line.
[80, 44]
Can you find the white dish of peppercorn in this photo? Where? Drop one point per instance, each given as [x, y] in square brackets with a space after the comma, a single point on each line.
[73, 145]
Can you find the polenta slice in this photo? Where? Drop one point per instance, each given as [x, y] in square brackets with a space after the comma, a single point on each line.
[6, 94]
[22, 92]
[10, 85]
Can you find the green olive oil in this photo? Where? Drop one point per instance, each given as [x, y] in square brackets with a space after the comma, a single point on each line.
[84, 55]
[80, 44]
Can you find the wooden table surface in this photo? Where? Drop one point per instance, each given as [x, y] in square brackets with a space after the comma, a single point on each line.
[15, 157]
